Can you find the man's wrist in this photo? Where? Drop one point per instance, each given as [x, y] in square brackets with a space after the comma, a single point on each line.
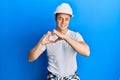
[66, 38]
[41, 43]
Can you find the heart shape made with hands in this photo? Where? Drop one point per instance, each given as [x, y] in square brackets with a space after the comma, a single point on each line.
[50, 37]
[58, 34]
[55, 39]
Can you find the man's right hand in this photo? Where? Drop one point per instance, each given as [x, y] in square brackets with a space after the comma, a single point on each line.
[45, 39]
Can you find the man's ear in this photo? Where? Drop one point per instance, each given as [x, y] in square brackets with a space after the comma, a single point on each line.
[56, 16]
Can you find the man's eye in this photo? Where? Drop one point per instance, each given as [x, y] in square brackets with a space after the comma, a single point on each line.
[60, 18]
[66, 19]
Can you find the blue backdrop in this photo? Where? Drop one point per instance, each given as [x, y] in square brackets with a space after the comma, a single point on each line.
[23, 22]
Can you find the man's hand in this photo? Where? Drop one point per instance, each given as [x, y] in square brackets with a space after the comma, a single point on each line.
[60, 35]
[45, 39]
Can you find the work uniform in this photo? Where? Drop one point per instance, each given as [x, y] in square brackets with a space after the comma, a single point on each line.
[62, 63]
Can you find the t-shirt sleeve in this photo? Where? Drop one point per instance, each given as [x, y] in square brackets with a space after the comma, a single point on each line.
[44, 46]
[79, 37]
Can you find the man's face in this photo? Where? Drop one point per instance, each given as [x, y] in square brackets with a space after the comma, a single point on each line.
[62, 21]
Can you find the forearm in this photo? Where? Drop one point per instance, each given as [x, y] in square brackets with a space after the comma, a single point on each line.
[80, 47]
[35, 52]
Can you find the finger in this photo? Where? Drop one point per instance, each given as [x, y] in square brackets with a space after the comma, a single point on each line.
[51, 41]
[53, 33]
[43, 37]
[58, 39]
[49, 33]
[56, 32]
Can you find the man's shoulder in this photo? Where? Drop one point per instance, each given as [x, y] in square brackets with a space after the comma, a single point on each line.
[71, 32]
[75, 35]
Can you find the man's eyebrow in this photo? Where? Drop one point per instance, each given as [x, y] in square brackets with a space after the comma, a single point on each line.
[60, 17]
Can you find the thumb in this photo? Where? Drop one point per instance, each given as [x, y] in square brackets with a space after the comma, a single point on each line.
[51, 41]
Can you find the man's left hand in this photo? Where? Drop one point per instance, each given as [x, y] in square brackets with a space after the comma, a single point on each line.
[60, 35]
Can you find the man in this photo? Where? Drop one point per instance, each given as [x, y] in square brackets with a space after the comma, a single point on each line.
[62, 45]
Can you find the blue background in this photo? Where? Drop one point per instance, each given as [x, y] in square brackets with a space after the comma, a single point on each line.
[23, 22]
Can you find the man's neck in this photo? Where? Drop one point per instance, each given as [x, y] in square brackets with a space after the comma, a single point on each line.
[63, 31]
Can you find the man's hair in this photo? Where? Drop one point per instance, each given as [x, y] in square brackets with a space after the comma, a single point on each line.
[58, 14]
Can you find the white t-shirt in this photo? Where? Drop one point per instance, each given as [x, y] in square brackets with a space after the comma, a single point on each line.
[61, 56]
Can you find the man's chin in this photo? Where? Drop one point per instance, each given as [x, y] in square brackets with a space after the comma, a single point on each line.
[63, 27]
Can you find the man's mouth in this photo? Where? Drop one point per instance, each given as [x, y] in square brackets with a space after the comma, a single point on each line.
[62, 25]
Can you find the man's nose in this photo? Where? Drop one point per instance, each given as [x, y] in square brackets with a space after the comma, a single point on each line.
[63, 21]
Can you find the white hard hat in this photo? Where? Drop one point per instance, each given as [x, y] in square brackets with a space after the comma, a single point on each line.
[64, 8]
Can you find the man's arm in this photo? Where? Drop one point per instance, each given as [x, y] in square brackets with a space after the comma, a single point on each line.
[81, 47]
[37, 50]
